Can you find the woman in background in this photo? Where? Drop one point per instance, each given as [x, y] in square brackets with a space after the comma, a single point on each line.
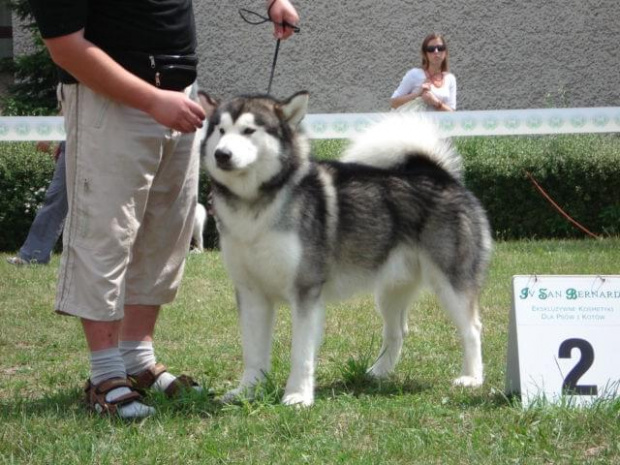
[431, 87]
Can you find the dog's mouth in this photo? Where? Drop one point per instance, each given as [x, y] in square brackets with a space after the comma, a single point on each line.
[225, 166]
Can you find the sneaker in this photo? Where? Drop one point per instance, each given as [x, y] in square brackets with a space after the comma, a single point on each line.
[17, 261]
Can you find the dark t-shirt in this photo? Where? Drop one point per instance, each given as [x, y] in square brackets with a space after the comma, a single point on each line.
[153, 26]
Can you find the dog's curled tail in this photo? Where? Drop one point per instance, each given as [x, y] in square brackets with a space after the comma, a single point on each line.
[397, 136]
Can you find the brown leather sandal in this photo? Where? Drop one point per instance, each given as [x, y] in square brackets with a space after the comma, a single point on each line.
[95, 396]
[145, 380]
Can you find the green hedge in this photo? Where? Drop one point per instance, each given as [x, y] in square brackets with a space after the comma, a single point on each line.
[210, 235]
[581, 173]
[25, 174]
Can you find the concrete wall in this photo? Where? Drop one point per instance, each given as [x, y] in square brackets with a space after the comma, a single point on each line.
[351, 55]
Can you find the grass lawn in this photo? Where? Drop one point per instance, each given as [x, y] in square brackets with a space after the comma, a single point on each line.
[416, 416]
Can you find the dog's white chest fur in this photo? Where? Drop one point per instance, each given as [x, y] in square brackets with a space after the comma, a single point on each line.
[256, 255]
[270, 263]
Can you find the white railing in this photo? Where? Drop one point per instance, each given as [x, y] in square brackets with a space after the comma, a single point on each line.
[480, 123]
[347, 125]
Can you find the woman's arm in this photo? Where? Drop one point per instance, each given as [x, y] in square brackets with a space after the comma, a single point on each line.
[411, 87]
[396, 102]
[434, 102]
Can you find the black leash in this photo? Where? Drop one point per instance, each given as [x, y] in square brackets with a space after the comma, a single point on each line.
[243, 12]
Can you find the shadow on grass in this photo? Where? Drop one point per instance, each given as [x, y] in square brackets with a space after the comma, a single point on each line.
[369, 386]
[355, 381]
[477, 398]
[62, 404]
[70, 404]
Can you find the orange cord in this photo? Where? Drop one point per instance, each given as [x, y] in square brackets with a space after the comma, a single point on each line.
[557, 207]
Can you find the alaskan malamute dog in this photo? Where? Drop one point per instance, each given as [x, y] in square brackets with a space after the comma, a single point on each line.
[391, 216]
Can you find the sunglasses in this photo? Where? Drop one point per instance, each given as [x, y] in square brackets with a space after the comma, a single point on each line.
[435, 48]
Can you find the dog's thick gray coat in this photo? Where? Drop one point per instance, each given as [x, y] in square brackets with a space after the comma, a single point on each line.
[391, 216]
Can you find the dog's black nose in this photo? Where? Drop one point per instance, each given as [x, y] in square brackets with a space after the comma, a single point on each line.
[223, 156]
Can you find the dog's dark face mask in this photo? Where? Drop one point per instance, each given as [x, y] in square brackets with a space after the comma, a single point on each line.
[250, 139]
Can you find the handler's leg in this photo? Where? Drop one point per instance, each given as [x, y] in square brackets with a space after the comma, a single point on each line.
[158, 259]
[107, 364]
[137, 350]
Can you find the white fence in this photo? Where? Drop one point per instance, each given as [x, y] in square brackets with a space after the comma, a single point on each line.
[347, 125]
[481, 123]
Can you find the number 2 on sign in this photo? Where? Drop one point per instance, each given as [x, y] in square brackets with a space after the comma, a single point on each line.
[570, 386]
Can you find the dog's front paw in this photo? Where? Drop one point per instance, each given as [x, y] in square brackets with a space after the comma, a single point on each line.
[468, 381]
[237, 395]
[379, 370]
[298, 399]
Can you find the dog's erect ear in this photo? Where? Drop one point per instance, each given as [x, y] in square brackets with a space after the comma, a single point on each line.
[208, 103]
[295, 108]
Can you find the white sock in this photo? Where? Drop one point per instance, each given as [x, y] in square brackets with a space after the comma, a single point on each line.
[139, 356]
[107, 364]
[132, 410]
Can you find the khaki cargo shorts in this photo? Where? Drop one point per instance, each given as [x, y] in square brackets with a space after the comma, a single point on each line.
[132, 186]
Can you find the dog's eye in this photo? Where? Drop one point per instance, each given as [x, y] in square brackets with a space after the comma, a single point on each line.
[248, 131]
[222, 131]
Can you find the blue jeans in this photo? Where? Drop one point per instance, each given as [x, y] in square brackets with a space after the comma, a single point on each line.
[50, 219]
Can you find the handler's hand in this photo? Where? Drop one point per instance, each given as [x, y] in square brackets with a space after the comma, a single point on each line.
[176, 111]
[282, 12]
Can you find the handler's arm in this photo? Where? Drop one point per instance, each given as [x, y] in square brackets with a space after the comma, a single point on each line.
[94, 68]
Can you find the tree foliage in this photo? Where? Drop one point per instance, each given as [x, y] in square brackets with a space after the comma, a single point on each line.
[34, 89]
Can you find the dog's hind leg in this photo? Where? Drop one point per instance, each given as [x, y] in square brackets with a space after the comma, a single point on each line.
[463, 309]
[392, 304]
[257, 315]
[308, 316]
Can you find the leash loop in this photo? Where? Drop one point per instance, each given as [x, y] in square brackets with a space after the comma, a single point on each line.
[250, 17]
[247, 14]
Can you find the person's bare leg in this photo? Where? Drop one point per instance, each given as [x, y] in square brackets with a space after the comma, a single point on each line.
[139, 322]
[101, 335]
[136, 344]
[136, 341]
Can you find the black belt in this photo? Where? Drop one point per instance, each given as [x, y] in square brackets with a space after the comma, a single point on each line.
[169, 72]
